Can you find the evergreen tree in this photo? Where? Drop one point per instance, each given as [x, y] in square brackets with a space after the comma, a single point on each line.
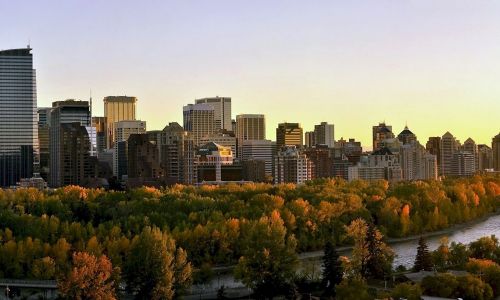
[423, 260]
[379, 261]
[332, 269]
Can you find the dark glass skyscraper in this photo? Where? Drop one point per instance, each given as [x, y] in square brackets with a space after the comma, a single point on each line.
[18, 116]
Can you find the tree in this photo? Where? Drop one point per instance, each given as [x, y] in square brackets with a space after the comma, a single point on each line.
[380, 256]
[155, 268]
[332, 269]
[471, 287]
[43, 268]
[423, 260]
[89, 278]
[269, 258]
[407, 291]
[352, 288]
[441, 285]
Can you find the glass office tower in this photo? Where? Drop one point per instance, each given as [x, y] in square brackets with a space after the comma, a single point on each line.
[18, 117]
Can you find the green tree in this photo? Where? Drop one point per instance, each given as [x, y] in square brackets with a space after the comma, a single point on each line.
[471, 287]
[380, 256]
[155, 268]
[407, 291]
[423, 260]
[332, 269]
[269, 258]
[43, 268]
[352, 288]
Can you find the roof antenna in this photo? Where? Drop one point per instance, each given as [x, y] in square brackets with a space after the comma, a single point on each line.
[29, 43]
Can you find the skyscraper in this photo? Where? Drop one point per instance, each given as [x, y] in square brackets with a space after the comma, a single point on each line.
[309, 139]
[381, 132]
[485, 157]
[259, 150]
[249, 127]
[495, 146]
[406, 136]
[289, 134]
[448, 147]
[65, 112]
[43, 140]
[177, 154]
[19, 150]
[433, 146]
[324, 134]
[123, 130]
[222, 111]
[471, 147]
[199, 120]
[117, 108]
[292, 166]
[143, 161]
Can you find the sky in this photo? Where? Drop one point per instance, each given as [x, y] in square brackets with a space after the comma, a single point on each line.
[431, 64]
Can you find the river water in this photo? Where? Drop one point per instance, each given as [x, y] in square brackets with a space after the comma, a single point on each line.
[405, 252]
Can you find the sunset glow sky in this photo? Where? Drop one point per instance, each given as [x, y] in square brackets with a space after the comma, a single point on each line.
[434, 64]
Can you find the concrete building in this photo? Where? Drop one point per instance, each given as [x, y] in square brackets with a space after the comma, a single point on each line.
[321, 159]
[463, 164]
[310, 139]
[471, 147]
[406, 136]
[177, 155]
[350, 149]
[71, 163]
[117, 108]
[65, 112]
[123, 130]
[215, 164]
[433, 146]
[199, 121]
[381, 164]
[291, 166]
[324, 134]
[249, 127]
[485, 157]
[448, 147]
[43, 140]
[289, 134]
[100, 123]
[223, 139]
[259, 150]
[254, 170]
[222, 111]
[416, 163]
[19, 149]
[495, 146]
[143, 162]
[381, 132]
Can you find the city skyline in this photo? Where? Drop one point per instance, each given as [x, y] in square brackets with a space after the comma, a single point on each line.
[402, 64]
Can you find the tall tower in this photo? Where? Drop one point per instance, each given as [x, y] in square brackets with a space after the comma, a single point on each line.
[381, 132]
[495, 146]
[249, 127]
[289, 134]
[117, 108]
[324, 134]
[448, 147]
[199, 120]
[222, 111]
[19, 150]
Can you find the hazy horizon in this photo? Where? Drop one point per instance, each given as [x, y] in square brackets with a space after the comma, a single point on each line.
[432, 65]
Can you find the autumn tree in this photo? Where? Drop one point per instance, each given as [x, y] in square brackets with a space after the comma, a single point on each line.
[423, 260]
[155, 268]
[89, 278]
[269, 258]
[332, 269]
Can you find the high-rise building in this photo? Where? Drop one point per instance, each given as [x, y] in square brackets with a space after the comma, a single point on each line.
[143, 161]
[249, 127]
[463, 164]
[324, 134]
[223, 139]
[289, 134]
[471, 147]
[72, 163]
[448, 147]
[485, 157]
[350, 150]
[381, 132]
[322, 161]
[416, 163]
[100, 123]
[309, 139]
[433, 146]
[117, 108]
[123, 130]
[291, 166]
[199, 121]
[43, 140]
[259, 150]
[66, 112]
[175, 148]
[19, 149]
[406, 136]
[215, 164]
[495, 146]
[381, 164]
[222, 111]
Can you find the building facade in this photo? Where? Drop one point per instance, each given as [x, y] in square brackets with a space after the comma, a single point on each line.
[448, 147]
[222, 111]
[19, 149]
[292, 166]
[123, 130]
[495, 147]
[324, 134]
[117, 108]
[199, 121]
[289, 134]
[381, 132]
[259, 150]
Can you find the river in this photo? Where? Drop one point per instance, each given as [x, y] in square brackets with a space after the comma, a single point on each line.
[405, 252]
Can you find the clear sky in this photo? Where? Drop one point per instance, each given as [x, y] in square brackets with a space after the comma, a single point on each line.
[434, 64]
